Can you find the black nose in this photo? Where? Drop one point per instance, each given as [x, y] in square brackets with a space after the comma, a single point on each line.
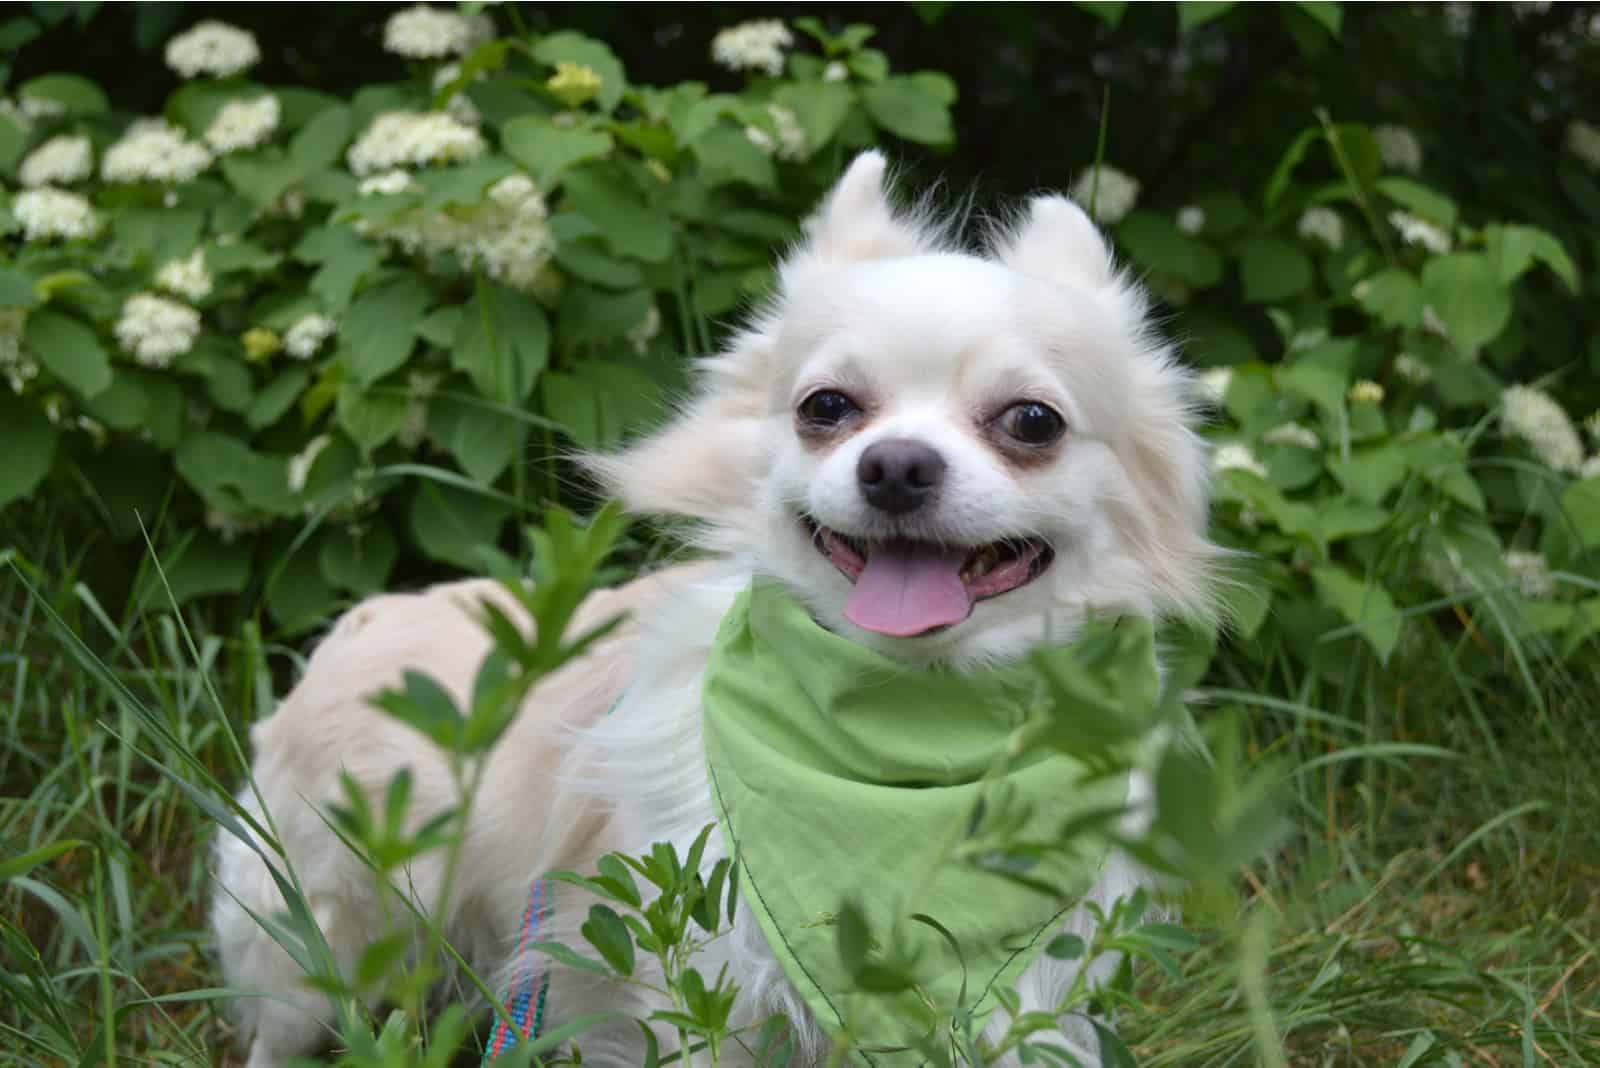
[899, 476]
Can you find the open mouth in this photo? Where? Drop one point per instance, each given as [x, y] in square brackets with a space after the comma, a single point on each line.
[904, 588]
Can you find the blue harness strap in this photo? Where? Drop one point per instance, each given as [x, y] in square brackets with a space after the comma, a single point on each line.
[524, 1002]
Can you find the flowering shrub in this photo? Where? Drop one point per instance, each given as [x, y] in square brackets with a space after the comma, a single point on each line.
[360, 327]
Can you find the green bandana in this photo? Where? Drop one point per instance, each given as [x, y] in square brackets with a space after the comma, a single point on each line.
[839, 774]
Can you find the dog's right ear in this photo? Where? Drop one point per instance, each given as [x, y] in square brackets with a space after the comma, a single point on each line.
[857, 222]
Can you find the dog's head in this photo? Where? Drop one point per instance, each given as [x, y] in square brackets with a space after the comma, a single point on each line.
[947, 456]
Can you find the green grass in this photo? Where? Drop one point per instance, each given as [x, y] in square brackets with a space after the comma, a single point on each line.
[1438, 898]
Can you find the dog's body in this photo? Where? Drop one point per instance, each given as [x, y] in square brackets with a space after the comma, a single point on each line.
[952, 459]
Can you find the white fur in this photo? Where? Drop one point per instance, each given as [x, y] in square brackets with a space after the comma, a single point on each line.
[873, 302]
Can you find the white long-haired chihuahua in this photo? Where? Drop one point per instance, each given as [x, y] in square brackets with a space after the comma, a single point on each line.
[935, 451]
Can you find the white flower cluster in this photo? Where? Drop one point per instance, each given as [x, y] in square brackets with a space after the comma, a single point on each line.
[836, 71]
[59, 161]
[154, 150]
[187, 277]
[51, 213]
[389, 183]
[1191, 219]
[25, 109]
[243, 124]
[306, 336]
[1399, 148]
[1415, 231]
[1535, 417]
[1323, 224]
[213, 48]
[1296, 434]
[155, 330]
[507, 232]
[420, 386]
[755, 45]
[1214, 383]
[460, 105]
[1583, 141]
[18, 367]
[1366, 391]
[1530, 572]
[413, 139]
[791, 142]
[423, 32]
[1412, 369]
[300, 463]
[1236, 457]
[1113, 192]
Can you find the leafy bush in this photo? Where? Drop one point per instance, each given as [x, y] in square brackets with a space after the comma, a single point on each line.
[361, 328]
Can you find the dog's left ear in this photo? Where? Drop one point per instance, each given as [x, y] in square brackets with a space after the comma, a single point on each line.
[1055, 240]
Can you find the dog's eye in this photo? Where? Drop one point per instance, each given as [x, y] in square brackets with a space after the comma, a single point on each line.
[827, 408]
[1032, 423]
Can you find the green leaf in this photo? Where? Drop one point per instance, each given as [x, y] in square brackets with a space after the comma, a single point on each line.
[1326, 12]
[299, 598]
[1368, 606]
[605, 931]
[78, 95]
[571, 47]
[1370, 473]
[1199, 12]
[630, 226]
[1316, 382]
[1419, 199]
[726, 155]
[1392, 296]
[502, 343]
[907, 109]
[1580, 501]
[229, 473]
[1109, 12]
[12, 867]
[819, 107]
[123, 405]
[547, 150]
[1513, 249]
[1469, 297]
[16, 289]
[482, 440]
[30, 447]
[70, 350]
[358, 562]
[1156, 242]
[1273, 269]
[371, 415]
[202, 565]
[345, 258]
[456, 525]
[320, 141]
[1348, 518]
[377, 335]
[277, 397]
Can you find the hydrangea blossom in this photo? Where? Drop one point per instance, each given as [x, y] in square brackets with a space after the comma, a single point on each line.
[1415, 231]
[1296, 434]
[52, 213]
[423, 32]
[507, 233]
[460, 105]
[413, 139]
[1399, 148]
[1366, 391]
[154, 150]
[790, 143]
[306, 336]
[155, 330]
[18, 367]
[243, 124]
[389, 183]
[1583, 141]
[300, 463]
[1530, 572]
[1113, 193]
[1236, 457]
[213, 48]
[1412, 369]
[756, 45]
[1214, 383]
[59, 161]
[836, 71]
[1323, 224]
[1191, 219]
[187, 277]
[1535, 417]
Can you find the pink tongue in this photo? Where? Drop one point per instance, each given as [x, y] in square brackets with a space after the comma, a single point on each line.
[907, 589]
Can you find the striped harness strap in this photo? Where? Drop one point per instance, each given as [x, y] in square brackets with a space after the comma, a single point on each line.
[524, 1002]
